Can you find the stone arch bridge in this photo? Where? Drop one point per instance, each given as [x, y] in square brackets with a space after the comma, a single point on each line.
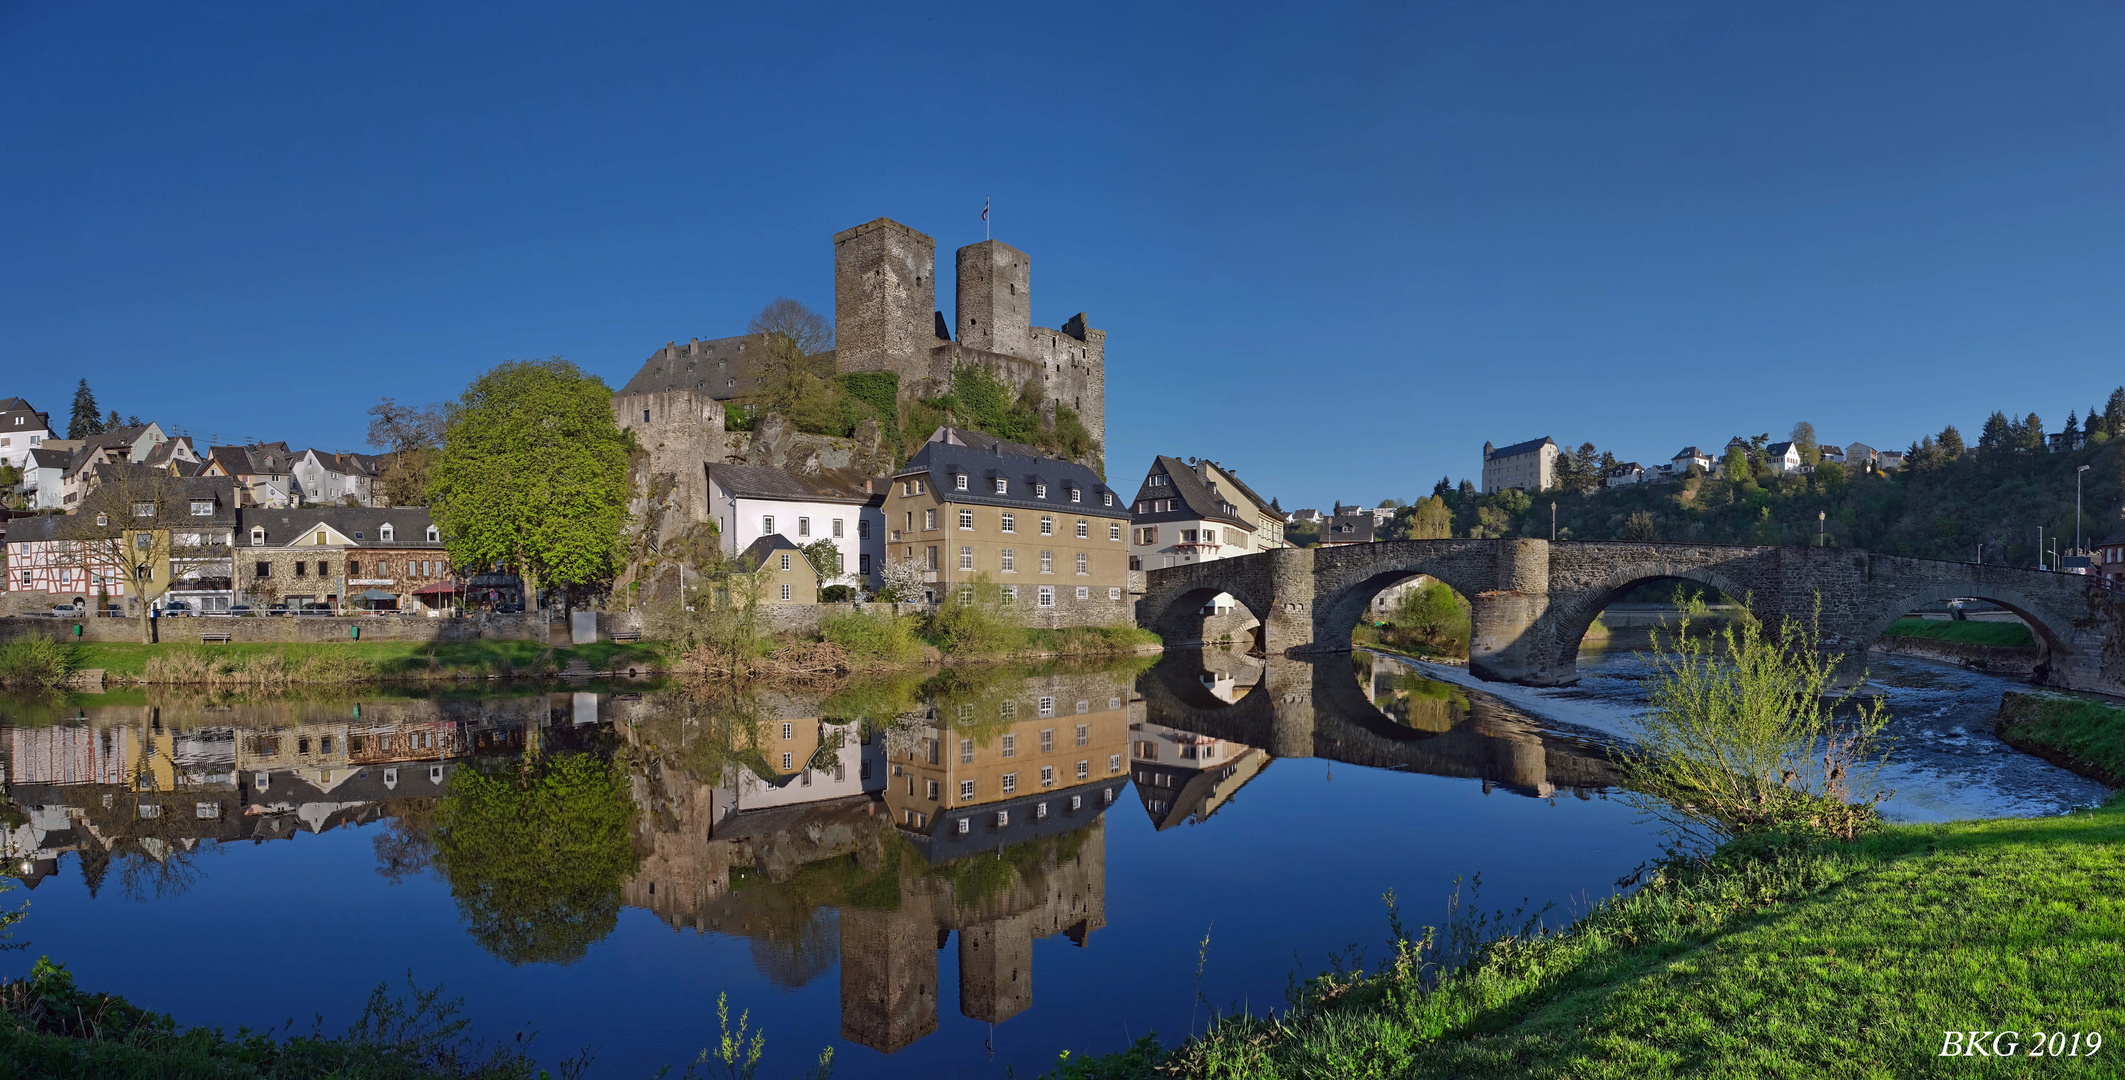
[1534, 600]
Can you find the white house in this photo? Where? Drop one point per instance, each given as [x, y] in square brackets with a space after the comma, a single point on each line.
[1688, 456]
[22, 429]
[1783, 457]
[752, 501]
[1860, 456]
[324, 478]
[44, 478]
[1195, 512]
[1890, 460]
[1833, 454]
[813, 760]
[1624, 475]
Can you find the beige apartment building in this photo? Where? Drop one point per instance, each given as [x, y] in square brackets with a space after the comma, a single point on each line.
[1529, 466]
[985, 766]
[1050, 532]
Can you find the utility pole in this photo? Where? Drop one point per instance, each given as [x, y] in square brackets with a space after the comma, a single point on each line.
[2077, 508]
[2040, 548]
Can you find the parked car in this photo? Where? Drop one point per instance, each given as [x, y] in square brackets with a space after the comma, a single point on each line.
[64, 611]
[277, 609]
[238, 609]
[177, 609]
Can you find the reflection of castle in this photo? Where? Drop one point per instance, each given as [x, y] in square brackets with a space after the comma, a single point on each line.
[980, 817]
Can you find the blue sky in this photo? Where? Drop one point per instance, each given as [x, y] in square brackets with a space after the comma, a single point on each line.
[1336, 247]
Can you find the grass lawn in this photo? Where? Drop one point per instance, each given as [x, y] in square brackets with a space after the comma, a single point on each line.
[1800, 959]
[2082, 734]
[2012, 635]
[128, 660]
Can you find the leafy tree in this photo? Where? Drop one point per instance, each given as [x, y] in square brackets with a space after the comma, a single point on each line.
[84, 422]
[409, 436]
[1951, 442]
[1428, 519]
[536, 853]
[1804, 441]
[533, 475]
[1640, 528]
[901, 581]
[824, 557]
[1736, 467]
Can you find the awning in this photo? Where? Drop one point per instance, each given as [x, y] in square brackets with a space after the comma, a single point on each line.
[440, 588]
[379, 594]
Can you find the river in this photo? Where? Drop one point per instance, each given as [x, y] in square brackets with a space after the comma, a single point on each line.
[1140, 847]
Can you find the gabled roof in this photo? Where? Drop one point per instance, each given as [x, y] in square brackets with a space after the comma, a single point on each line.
[345, 464]
[759, 551]
[361, 526]
[1348, 529]
[763, 482]
[42, 458]
[1519, 448]
[951, 452]
[1196, 498]
[32, 418]
[1778, 449]
[1689, 452]
[1626, 468]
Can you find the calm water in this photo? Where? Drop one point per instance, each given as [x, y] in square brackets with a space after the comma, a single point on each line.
[250, 863]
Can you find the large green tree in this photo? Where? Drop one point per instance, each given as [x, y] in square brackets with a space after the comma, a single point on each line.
[84, 422]
[533, 475]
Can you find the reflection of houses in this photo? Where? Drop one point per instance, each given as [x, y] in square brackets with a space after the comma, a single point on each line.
[810, 760]
[1185, 777]
[973, 752]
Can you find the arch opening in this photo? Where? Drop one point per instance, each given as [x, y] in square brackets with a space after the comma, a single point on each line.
[1991, 630]
[1209, 617]
[1413, 613]
[1628, 617]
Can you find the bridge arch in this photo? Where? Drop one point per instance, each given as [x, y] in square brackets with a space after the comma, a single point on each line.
[2053, 633]
[1347, 578]
[1575, 616]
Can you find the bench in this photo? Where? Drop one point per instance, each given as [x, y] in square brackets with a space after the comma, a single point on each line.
[205, 639]
[627, 635]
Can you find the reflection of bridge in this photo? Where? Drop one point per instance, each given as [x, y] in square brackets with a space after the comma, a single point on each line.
[1315, 707]
[1534, 600]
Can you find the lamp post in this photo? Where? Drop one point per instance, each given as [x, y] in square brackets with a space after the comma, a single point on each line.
[1822, 528]
[2077, 508]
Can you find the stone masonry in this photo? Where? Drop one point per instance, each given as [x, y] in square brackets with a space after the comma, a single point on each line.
[1533, 601]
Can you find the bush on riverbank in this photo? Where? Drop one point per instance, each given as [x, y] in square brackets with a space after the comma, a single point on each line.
[874, 634]
[1775, 955]
[2081, 734]
[2008, 635]
[35, 662]
[274, 665]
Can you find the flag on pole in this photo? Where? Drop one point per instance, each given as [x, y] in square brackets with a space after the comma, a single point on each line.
[985, 211]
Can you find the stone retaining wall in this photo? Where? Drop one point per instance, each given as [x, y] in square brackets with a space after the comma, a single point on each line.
[290, 628]
[1991, 659]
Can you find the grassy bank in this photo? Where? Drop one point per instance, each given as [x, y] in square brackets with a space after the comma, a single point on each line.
[279, 663]
[2081, 734]
[2010, 635]
[1773, 957]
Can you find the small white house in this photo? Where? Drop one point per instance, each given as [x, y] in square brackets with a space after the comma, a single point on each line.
[1783, 457]
[1688, 456]
[22, 429]
[323, 478]
[752, 501]
[1624, 475]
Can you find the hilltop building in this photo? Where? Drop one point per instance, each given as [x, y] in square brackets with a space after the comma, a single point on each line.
[1529, 466]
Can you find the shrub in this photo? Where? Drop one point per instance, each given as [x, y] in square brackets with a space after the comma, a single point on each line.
[974, 620]
[872, 635]
[36, 662]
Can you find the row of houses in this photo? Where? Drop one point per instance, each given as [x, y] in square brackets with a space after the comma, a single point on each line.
[1532, 465]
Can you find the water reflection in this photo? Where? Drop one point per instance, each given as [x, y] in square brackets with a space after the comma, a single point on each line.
[862, 829]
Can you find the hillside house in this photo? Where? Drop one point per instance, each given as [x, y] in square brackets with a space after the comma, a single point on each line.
[22, 429]
[750, 502]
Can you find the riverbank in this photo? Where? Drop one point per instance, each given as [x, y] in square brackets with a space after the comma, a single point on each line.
[1773, 957]
[2081, 734]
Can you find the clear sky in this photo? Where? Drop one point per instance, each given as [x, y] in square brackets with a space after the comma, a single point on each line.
[1335, 247]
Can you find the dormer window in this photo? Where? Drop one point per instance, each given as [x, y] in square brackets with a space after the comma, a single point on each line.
[385, 533]
[202, 508]
[1077, 495]
[103, 519]
[1040, 491]
[962, 481]
[358, 535]
[1003, 486]
[258, 535]
[1107, 498]
[143, 509]
[435, 535]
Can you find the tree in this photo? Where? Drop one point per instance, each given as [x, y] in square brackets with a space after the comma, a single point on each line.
[112, 422]
[795, 376]
[1998, 434]
[1639, 528]
[408, 435]
[2033, 433]
[84, 422]
[533, 476]
[1736, 467]
[1951, 443]
[824, 557]
[901, 581]
[1430, 519]
[2073, 428]
[1804, 441]
[2114, 413]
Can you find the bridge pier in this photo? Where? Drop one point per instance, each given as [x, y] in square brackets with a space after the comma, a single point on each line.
[1513, 638]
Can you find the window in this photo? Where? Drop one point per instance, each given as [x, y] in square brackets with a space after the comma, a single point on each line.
[1040, 491]
[1047, 740]
[1009, 559]
[1003, 486]
[258, 535]
[966, 519]
[1109, 498]
[262, 570]
[1003, 817]
[966, 791]
[1114, 530]
[767, 525]
[645, 416]
[961, 481]
[1047, 526]
[202, 508]
[785, 560]
[354, 568]
[787, 761]
[1083, 565]
[386, 533]
[966, 557]
[1151, 534]
[837, 529]
[435, 535]
[1041, 810]
[300, 567]
[1010, 523]
[1084, 734]
[1047, 562]
[962, 826]
[143, 509]
[933, 557]
[863, 530]
[787, 729]
[1047, 776]
[966, 751]
[1084, 530]
[1114, 763]
[1010, 784]
[1077, 495]
[863, 563]
[932, 785]
[1010, 746]
[1047, 596]
[1083, 592]
[1010, 594]
[804, 526]
[1084, 769]
[1114, 592]
[1047, 706]
[929, 519]
[785, 592]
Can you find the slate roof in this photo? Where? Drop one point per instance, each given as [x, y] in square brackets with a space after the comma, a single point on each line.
[1518, 448]
[1348, 529]
[260, 459]
[1197, 501]
[18, 407]
[951, 452]
[1626, 468]
[176, 496]
[755, 555]
[763, 482]
[1266, 506]
[409, 524]
[41, 458]
[347, 464]
[694, 366]
[1778, 449]
[1689, 452]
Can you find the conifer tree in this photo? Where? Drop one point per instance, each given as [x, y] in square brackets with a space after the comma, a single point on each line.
[2033, 432]
[1951, 443]
[84, 421]
[1998, 434]
[2114, 413]
[112, 422]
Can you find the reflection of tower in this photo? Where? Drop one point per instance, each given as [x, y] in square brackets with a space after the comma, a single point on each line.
[996, 969]
[888, 976]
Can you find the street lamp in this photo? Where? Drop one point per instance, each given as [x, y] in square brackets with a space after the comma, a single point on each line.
[1822, 528]
[2077, 508]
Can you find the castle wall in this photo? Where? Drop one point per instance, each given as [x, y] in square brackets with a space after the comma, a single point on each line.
[721, 368]
[995, 297]
[885, 299]
[680, 430]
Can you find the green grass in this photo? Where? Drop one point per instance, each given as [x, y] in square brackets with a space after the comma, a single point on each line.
[387, 659]
[1774, 958]
[2082, 734]
[1089, 640]
[2012, 635]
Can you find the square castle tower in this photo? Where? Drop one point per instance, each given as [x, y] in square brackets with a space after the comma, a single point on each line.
[886, 319]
